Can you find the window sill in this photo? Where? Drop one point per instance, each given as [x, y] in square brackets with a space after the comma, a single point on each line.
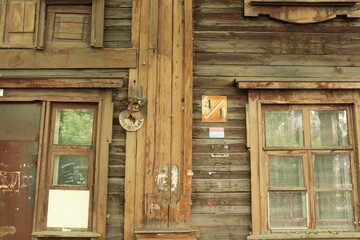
[314, 235]
[65, 234]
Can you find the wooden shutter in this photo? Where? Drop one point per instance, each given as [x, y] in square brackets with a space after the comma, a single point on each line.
[68, 26]
[20, 30]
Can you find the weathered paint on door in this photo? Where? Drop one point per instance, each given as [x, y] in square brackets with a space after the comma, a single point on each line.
[19, 140]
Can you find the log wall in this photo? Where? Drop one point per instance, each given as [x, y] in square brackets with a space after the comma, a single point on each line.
[229, 46]
[117, 35]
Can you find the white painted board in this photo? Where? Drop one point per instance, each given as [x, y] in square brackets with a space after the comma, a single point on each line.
[68, 208]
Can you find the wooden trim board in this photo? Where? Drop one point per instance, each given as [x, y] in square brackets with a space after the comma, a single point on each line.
[71, 58]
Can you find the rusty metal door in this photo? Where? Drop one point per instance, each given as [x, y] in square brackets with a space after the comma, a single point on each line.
[19, 140]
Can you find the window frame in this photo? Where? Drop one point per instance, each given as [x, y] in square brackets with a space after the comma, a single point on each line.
[96, 28]
[72, 149]
[257, 100]
[102, 98]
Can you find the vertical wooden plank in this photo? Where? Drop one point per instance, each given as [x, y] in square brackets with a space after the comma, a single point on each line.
[262, 166]
[142, 81]
[163, 99]
[2, 20]
[188, 107]
[29, 16]
[97, 23]
[131, 137]
[152, 202]
[177, 123]
[254, 164]
[101, 169]
[39, 223]
[40, 30]
[356, 155]
[39, 167]
[180, 209]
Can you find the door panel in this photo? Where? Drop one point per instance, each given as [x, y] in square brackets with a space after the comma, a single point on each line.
[19, 140]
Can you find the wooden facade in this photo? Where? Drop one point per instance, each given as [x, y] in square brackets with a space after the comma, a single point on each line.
[169, 179]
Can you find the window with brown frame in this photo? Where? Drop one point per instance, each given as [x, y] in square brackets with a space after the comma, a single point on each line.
[304, 163]
[309, 154]
[71, 154]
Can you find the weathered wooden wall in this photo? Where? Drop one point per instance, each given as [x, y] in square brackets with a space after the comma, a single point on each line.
[229, 46]
[117, 35]
[117, 32]
[115, 221]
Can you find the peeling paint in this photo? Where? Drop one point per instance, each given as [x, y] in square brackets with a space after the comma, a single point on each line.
[163, 180]
[9, 181]
[7, 230]
[174, 178]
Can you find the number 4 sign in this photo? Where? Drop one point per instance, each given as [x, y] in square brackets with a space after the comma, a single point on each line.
[214, 108]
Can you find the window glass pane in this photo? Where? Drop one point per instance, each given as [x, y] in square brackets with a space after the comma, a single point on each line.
[284, 128]
[334, 209]
[70, 170]
[287, 210]
[286, 171]
[332, 171]
[73, 127]
[329, 128]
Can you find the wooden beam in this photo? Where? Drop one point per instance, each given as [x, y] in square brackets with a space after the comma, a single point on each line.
[131, 137]
[106, 107]
[70, 58]
[61, 83]
[298, 84]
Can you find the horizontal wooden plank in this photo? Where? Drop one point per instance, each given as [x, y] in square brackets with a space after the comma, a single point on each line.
[295, 83]
[221, 199]
[66, 234]
[233, 162]
[311, 236]
[295, 38]
[215, 173]
[113, 12]
[118, 3]
[263, 46]
[229, 123]
[73, 59]
[247, 59]
[116, 185]
[225, 232]
[221, 209]
[278, 71]
[217, 146]
[61, 83]
[64, 74]
[57, 94]
[117, 171]
[210, 220]
[229, 132]
[221, 185]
